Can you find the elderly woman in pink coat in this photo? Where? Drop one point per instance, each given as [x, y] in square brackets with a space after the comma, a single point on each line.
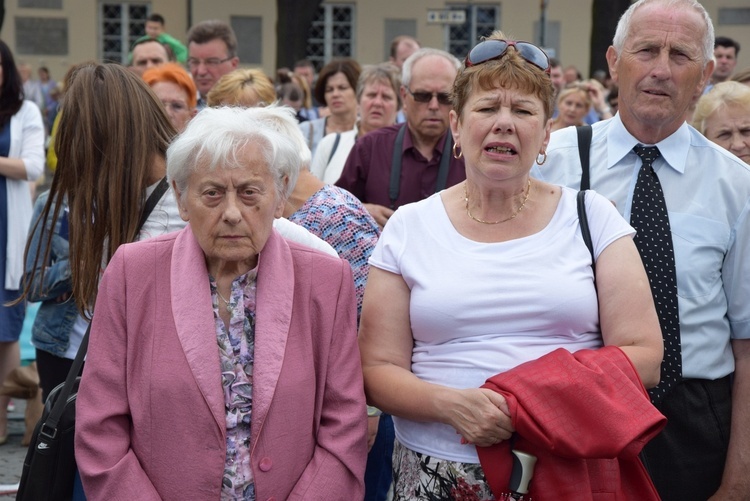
[223, 360]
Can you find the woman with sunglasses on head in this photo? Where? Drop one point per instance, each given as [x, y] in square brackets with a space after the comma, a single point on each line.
[492, 278]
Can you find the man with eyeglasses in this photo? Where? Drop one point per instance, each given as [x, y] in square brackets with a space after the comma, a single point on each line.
[212, 49]
[405, 163]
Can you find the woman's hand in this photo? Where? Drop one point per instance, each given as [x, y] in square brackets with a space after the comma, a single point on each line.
[480, 416]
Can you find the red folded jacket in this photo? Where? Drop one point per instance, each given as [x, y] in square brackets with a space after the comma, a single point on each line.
[585, 416]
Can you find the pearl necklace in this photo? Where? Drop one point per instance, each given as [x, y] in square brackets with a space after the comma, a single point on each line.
[228, 306]
[512, 216]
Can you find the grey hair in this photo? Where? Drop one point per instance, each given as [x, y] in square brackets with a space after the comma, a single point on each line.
[383, 72]
[623, 26]
[215, 137]
[427, 51]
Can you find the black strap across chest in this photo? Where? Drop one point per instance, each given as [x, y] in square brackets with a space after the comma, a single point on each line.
[395, 184]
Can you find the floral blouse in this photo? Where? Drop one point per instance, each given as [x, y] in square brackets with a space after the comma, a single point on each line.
[236, 353]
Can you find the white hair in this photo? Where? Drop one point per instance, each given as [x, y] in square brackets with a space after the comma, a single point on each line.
[624, 28]
[215, 137]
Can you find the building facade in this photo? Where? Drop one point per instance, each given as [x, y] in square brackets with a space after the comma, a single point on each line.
[58, 33]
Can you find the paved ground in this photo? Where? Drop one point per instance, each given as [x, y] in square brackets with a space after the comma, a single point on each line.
[12, 453]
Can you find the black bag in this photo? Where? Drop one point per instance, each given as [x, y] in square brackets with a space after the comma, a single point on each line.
[49, 467]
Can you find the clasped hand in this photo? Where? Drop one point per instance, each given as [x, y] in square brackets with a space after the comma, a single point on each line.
[481, 417]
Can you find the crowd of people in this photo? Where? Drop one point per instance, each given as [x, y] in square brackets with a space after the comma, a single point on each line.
[388, 281]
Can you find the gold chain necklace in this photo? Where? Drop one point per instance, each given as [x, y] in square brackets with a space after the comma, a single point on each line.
[512, 216]
[228, 307]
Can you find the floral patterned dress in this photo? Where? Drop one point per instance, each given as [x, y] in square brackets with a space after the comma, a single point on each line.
[236, 351]
[417, 476]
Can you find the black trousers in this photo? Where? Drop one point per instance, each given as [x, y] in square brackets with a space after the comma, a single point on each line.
[686, 460]
[52, 371]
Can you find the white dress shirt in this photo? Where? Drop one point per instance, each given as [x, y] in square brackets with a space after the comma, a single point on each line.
[707, 191]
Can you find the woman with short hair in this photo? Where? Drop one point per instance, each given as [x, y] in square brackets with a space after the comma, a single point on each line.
[723, 116]
[335, 88]
[224, 348]
[175, 89]
[484, 327]
[244, 87]
[379, 100]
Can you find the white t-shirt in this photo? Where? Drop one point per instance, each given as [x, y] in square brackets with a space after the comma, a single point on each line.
[479, 309]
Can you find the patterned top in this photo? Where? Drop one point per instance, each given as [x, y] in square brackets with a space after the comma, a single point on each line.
[236, 355]
[336, 216]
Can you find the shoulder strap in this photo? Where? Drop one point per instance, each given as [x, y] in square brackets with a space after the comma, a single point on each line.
[152, 200]
[335, 145]
[395, 184]
[49, 427]
[584, 147]
[443, 169]
[445, 163]
[584, 222]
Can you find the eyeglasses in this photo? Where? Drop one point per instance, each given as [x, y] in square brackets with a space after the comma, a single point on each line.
[210, 63]
[495, 49]
[175, 106]
[425, 97]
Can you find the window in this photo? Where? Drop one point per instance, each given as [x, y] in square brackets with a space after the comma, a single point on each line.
[121, 25]
[394, 28]
[481, 20]
[249, 32]
[331, 34]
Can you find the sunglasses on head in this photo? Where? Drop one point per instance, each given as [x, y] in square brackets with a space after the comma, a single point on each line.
[495, 49]
[426, 97]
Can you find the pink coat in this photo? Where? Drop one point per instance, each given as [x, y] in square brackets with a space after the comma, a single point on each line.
[150, 410]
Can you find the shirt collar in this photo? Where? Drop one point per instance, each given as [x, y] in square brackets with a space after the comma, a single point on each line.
[438, 148]
[673, 149]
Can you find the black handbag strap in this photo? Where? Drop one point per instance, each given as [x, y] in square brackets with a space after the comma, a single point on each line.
[335, 145]
[49, 427]
[152, 200]
[585, 233]
[584, 145]
[442, 178]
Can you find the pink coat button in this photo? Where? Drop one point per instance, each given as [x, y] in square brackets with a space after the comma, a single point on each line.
[265, 464]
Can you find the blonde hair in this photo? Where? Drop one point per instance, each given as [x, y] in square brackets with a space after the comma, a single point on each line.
[723, 95]
[572, 89]
[231, 88]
